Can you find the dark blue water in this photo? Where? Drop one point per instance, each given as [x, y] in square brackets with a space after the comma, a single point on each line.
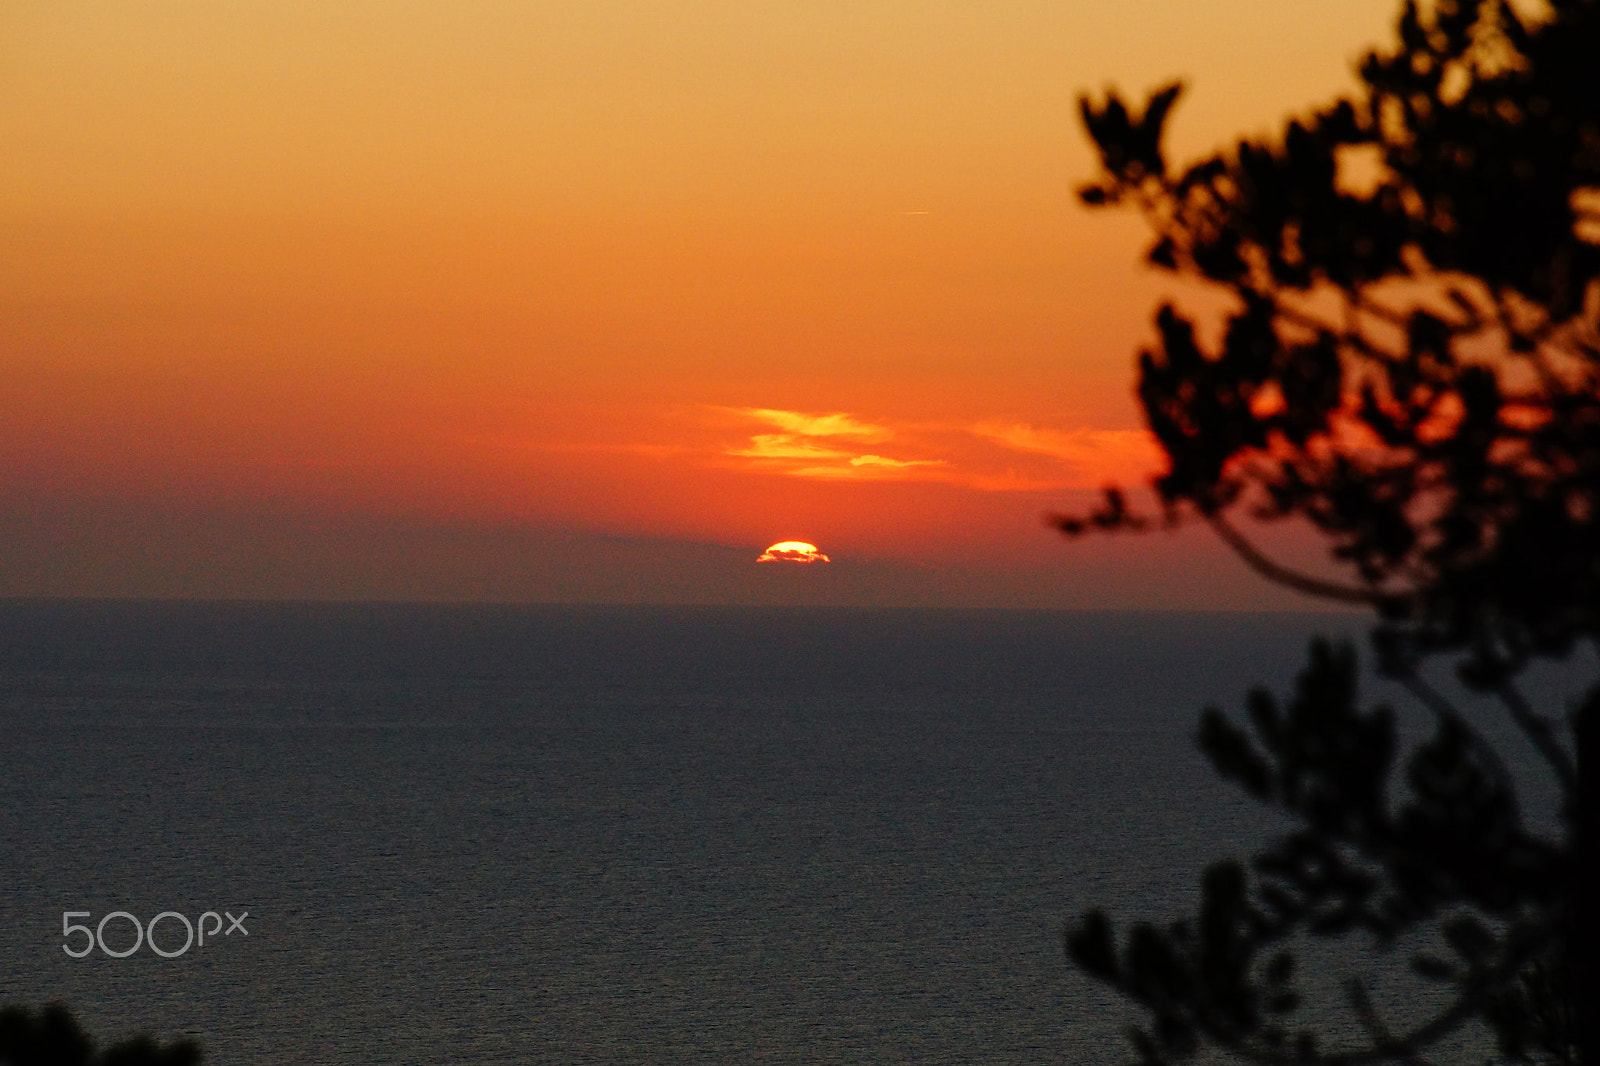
[609, 835]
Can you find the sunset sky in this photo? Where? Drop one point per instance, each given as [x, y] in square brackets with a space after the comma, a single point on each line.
[597, 299]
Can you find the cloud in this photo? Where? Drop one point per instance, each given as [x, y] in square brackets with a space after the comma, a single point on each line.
[1073, 446]
[1091, 455]
[785, 446]
[809, 445]
[879, 460]
[881, 470]
[988, 456]
[800, 424]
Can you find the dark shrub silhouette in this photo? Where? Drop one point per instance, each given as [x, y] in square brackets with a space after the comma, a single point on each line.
[52, 1037]
[1411, 365]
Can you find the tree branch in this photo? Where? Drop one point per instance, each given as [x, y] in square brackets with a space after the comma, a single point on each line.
[1408, 1047]
[1471, 1001]
[1536, 728]
[1372, 1021]
[1292, 578]
[1442, 708]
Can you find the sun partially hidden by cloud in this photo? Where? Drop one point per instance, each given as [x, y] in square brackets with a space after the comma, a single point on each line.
[793, 551]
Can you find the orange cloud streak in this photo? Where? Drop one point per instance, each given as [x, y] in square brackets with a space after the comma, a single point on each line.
[987, 456]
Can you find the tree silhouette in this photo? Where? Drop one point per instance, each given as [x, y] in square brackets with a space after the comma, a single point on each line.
[1411, 365]
[52, 1037]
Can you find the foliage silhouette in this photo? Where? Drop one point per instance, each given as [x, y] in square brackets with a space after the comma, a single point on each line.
[53, 1037]
[1411, 365]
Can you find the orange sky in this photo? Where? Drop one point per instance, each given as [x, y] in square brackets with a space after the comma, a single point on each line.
[594, 300]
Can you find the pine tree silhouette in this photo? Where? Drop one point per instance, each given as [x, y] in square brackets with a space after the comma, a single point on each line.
[1411, 367]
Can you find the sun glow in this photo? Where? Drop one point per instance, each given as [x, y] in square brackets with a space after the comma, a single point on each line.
[793, 551]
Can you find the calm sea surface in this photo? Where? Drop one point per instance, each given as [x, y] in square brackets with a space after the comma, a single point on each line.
[608, 835]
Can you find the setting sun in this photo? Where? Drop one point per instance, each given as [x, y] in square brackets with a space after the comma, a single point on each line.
[793, 551]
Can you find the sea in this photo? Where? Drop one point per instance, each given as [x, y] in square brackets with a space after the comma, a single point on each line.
[560, 834]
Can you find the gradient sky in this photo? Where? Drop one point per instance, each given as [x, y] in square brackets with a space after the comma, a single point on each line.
[594, 300]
